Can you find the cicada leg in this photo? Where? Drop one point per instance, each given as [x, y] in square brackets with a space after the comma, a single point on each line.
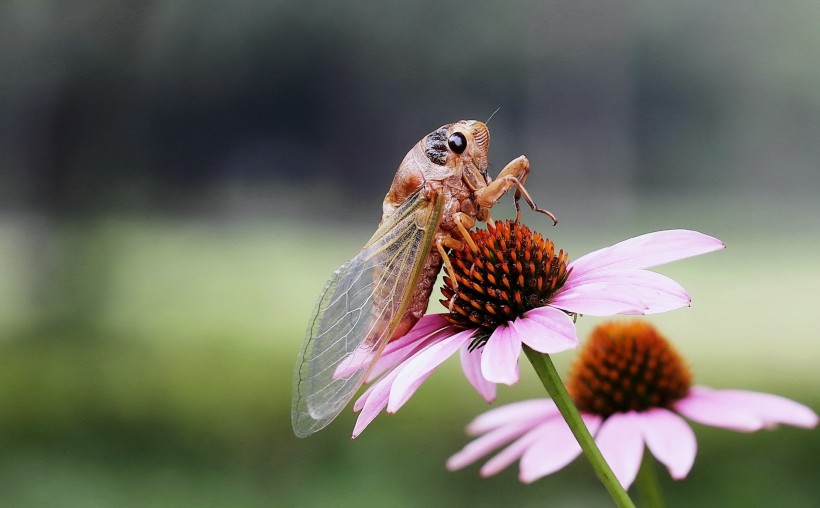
[463, 223]
[514, 174]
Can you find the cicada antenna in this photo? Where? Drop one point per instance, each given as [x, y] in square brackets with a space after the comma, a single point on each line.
[491, 116]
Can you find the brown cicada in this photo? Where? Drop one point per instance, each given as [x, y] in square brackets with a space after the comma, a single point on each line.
[439, 192]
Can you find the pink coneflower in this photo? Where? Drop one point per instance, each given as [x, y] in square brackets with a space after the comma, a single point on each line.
[631, 388]
[515, 288]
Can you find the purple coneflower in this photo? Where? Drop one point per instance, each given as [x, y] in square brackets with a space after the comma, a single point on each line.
[631, 388]
[516, 288]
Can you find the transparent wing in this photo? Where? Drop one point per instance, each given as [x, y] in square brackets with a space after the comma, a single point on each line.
[358, 312]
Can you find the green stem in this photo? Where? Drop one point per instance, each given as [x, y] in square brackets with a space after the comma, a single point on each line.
[649, 488]
[542, 363]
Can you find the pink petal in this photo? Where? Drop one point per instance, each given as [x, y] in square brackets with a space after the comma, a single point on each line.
[649, 250]
[489, 442]
[394, 356]
[534, 409]
[554, 449]
[774, 409]
[630, 276]
[757, 410]
[656, 292]
[621, 444]
[670, 439]
[372, 402]
[425, 326]
[511, 453]
[598, 299]
[547, 330]
[471, 365]
[414, 371]
[623, 291]
[359, 404]
[704, 406]
[499, 360]
[359, 359]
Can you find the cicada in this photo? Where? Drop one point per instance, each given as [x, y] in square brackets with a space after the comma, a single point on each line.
[439, 192]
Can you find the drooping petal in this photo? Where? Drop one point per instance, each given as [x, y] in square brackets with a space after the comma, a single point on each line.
[511, 453]
[534, 409]
[499, 360]
[359, 403]
[744, 410]
[428, 324]
[357, 360]
[703, 406]
[389, 357]
[372, 402]
[414, 371]
[395, 352]
[401, 349]
[649, 250]
[489, 442]
[471, 365]
[670, 439]
[553, 450]
[621, 443]
[547, 330]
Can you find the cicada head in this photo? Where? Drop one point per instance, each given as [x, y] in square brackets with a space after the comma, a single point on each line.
[461, 147]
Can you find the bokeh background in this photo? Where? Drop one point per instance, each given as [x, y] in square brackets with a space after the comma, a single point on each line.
[178, 179]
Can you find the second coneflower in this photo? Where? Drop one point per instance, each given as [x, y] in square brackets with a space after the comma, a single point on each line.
[632, 389]
[515, 289]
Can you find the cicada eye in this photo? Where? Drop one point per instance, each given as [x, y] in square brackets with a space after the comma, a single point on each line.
[457, 142]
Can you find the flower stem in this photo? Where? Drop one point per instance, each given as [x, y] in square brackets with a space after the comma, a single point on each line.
[542, 363]
[647, 483]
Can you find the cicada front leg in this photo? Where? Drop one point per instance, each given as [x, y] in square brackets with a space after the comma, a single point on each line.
[463, 223]
[442, 244]
[514, 174]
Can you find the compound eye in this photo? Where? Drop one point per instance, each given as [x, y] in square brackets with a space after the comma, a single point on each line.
[457, 142]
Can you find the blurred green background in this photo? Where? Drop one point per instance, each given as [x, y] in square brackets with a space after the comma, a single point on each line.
[179, 178]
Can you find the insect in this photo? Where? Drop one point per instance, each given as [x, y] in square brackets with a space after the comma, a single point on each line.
[439, 192]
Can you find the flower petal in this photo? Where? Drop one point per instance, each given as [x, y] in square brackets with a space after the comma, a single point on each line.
[372, 402]
[499, 360]
[396, 351]
[649, 250]
[359, 359]
[471, 365]
[773, 409]
[425, 326]
[414, 371]
[537, 409]
[670, 439]
[554, 449]
[511, 453]
[359, 404]
[706, 406]
[744, 411]
[547, 330]
[631, 291]
[621, 444]
[489, 442]
[598, 299]
[656, 292]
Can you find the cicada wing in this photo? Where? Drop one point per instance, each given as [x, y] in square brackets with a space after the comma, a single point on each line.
[358, 312]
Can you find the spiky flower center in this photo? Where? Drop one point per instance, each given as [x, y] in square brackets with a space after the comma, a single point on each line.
[514, 270]
[627, 367]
